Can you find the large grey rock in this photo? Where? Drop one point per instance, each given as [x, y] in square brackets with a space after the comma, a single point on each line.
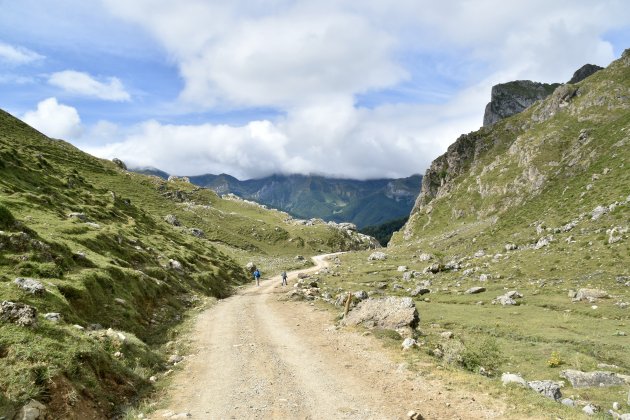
[391, 313]
[409, 343]
[377, 256]
[360, 295]
[197, 232]
[18, 313]
[34, 410]
[549, 389]
[579, 379]
[171, 219]
[475, 290]
[588, 294]
[511, 378]
[30, 285]
[53, 316]
[507, 99]
[419, 291]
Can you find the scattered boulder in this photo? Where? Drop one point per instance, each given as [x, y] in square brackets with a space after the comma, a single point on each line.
[18, 313]
[508, 298]
[409, 343]
[34, 410]
[419, 291]
[251, 267]
[590, 409]
[549, 389]
[53, 316]
[173, 178]
[447, 335]
[568, 402]
[377, 256]
[29, 285]
[402, 268]
[175, 265]
[425, 257]
[76, 215]
[590, 294]
[579, 379]
[390, 312]
[475, 290]
[434, 268]
[543, 242]
[299, 258]
[598, 212]
[511, 378]
[119, 163]
[197, 232]
[511, 247]
[174, 359]
[479, 253]
[171, 219]
[360, 295]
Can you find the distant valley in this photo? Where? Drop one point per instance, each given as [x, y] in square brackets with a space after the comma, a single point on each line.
[364, 203]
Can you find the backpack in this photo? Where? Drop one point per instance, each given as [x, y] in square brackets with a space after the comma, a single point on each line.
[256, 273]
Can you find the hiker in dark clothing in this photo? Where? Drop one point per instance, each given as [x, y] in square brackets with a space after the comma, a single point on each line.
[284, 278]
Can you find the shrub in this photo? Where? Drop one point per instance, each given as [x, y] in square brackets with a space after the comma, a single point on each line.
[555, 360]
[483, 353]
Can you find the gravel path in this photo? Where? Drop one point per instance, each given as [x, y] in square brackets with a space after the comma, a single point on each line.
[257, 357]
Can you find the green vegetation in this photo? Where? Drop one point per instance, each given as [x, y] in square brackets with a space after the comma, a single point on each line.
[383, 233]
[121, 276]
[552, 185]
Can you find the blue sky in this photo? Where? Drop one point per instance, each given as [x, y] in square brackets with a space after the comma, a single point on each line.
[343, 88]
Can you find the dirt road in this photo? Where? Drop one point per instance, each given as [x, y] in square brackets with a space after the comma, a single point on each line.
[258, 357]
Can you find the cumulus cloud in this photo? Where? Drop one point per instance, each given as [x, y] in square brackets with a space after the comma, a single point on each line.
[312, 59]
[84, 84]
[55, 119]
[16, 55]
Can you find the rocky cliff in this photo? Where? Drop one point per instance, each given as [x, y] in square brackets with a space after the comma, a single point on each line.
[511, 98]
[497, 168]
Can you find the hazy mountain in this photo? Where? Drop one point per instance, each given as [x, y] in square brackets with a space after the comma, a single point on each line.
[363, 203]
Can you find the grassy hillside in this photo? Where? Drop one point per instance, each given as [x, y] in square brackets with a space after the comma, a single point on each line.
[539, 203]
[122, 256]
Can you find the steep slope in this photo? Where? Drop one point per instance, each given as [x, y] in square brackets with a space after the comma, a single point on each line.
[363, 203]
[517, 252]
[113, 260]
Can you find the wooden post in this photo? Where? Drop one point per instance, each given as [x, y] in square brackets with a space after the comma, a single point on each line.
[348, 300]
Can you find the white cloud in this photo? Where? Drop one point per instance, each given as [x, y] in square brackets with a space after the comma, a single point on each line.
[54, 119]
[83, 84]
[17, 55]
[310, 59]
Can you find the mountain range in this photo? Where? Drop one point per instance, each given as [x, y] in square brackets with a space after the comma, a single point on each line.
[362, 202]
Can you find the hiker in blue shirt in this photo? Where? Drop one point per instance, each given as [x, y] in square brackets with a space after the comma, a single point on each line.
[257, 277]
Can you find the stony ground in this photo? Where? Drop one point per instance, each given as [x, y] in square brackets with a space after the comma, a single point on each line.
[257, 357]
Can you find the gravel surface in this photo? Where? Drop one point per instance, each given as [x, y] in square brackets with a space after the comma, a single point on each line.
[257, 357]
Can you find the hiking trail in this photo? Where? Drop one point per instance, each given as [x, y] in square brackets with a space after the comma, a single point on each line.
[257, 357]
